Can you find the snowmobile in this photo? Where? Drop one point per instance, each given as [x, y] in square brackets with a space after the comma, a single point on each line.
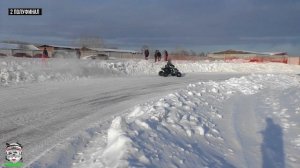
[169, 69]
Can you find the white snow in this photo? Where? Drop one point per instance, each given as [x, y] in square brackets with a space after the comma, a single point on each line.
[184, 128]
[18, 70]
[119, 113]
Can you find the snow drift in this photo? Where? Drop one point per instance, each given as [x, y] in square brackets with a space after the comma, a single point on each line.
[24, 70]
[184, 129]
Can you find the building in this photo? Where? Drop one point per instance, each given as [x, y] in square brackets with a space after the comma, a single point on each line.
[60, 51]
[250, 56]
[232, 54]
[88, 53]
[115, 53]
[19, 50]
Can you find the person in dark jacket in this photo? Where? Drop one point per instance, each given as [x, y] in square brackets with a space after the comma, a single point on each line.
[166, 55]
[146, 52]
[78, 53]
[169, 64]
[158, 55]
[45, 53]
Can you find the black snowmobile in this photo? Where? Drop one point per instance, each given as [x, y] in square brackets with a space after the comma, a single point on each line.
[169, 69]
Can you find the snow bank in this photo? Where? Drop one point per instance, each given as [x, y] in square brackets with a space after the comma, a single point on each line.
[18, 70]
[24, 70]
[179, 130]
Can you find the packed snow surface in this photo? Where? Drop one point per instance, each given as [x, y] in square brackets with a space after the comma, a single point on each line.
[250, 121]
[119, 113]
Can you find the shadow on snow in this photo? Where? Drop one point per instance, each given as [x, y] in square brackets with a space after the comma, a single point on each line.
[272, 146]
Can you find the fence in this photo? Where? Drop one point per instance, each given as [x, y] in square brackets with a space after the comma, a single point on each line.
[180, 57]
[119, 55]
[294, 60]
[188, 57]
[246, 58]
[259, 59]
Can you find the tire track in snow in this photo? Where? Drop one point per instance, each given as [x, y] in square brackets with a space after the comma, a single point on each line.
[244, 123]
[59, 110]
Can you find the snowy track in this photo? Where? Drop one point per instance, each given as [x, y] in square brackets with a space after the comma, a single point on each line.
[70, 113]
[41, 115]
[264, 128]
[246, 133]
[241, 122]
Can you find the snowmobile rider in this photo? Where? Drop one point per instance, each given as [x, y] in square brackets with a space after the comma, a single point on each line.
[169, 64]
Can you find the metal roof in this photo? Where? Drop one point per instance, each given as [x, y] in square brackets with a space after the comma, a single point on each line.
[18, 46]
[59, 46]
[113, 50]
[8, 46]
[249, 52]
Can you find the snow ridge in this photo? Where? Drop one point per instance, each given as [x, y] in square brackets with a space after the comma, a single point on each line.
[22, 70]
[180, 129]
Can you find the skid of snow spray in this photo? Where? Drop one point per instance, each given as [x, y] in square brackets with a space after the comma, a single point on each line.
[24, 70]
[179, 130]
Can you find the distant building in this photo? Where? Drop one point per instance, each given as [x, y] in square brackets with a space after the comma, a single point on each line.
[117, 53]
[234, 54]
[250, 56]
[19, 50]
[60, 51]
[88, 53]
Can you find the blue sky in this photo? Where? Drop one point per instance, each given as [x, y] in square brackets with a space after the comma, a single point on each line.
[201, 25]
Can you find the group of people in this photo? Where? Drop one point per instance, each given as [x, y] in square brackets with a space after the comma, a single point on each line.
[157, 55]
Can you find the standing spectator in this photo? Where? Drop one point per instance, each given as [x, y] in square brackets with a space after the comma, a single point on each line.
[78, 53]
[146, 52]
[45, 53]
[45, 56]
[166, 55]
[158, 55]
